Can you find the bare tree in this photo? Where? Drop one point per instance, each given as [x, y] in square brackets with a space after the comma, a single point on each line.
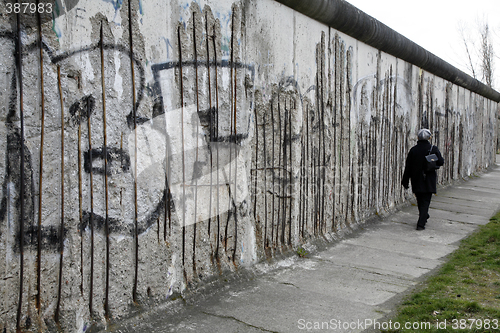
[478, 47]
[487, 55]
[468, 44]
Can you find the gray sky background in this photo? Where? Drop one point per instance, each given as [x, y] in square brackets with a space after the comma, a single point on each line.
[434, 25]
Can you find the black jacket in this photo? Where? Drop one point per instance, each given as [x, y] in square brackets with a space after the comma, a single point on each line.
[421, 182]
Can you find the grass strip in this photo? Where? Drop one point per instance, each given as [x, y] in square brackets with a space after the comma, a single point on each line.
[464, 296]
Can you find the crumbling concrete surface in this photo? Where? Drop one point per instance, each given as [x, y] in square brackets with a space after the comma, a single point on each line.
[147, 147]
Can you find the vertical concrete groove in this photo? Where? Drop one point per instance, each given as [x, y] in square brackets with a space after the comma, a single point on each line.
[280, 169]
[195, 170]
[40, 181]
[334, 130]
[183, 156]
[231, 135]
[301, 184]
[211, 124]
[168, 203]
[291, 175]
[396, 146]
[265, 242]
[323, 130]
[134, 110]
[256, 172]
[106, 190]
[342, 152]
[256, 217]
[315, 152]
[167, 199]
[361, 153]
[235, 101]
[61, 230]
[19, 56]
[91, 222]
[218, 146]
[80, 197]
[273, 174]
[306, 188]
[285, 176]
[351, 159]
[288, 168]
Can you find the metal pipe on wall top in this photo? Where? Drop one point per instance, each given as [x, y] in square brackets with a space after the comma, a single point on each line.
[346, 18]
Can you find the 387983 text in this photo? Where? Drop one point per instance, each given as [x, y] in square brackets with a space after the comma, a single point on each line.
[28, 8]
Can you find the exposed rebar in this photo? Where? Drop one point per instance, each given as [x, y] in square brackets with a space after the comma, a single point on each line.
[61, 230]
[235, 201]
[134, 111]
[40, 181]
[195, 171]
[106, 191]
[218, 145]
[91, 222]
[22, 187]
[183, 154]
[210, 122]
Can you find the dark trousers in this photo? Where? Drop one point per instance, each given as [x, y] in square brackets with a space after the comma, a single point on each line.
[423, 202]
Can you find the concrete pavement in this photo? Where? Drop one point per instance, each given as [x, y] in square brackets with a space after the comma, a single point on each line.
[357, 281]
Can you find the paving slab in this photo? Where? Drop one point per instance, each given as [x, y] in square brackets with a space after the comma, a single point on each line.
[402, 243]
[457, 216]
[437, 231]
[345, 282]
[344, 288]
[281, 307]
[470, 200]
[380, 261]
[457, 208]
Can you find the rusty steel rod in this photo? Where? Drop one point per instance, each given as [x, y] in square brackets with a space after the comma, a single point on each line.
[323, 143]
[290, 156]
[80, 200]
[285, 169]
[256, 165]
[210, 121]
[273, 175]
[302, 196]
[280, 151]
[265, 178]
[235, 85]
[183, 155]
[231, 138]
[197, 134]
[218, 145]
[317, 158]
[40, 182]
[309, 170]
[91, 218]
[134, 110]
[22, 190]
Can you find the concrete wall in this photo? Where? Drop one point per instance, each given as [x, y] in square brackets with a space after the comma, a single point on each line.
[215, 135]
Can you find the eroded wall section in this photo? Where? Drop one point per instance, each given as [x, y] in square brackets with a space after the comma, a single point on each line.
[147, 146]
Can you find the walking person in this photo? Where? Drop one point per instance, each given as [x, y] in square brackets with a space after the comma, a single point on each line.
[423, 184]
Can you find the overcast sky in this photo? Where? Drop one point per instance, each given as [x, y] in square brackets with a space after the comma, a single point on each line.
[433, 24]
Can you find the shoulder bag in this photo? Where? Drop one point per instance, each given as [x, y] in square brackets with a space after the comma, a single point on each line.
[430, 161]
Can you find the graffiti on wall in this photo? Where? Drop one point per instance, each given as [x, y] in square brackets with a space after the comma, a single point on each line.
[133, 157]
[115, 189]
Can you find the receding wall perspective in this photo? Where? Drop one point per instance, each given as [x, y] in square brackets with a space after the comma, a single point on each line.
[150, 146]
